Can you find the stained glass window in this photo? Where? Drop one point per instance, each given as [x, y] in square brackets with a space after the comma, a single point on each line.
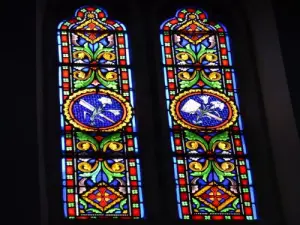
[100, 162]
[211, 165]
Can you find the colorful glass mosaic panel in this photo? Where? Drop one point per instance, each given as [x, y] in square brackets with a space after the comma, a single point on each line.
[211, 165]
[100, 162]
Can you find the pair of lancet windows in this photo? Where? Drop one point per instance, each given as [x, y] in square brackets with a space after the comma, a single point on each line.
[101, 173]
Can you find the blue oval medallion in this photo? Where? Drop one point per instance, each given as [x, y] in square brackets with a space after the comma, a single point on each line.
[98, 110]
[204, 110]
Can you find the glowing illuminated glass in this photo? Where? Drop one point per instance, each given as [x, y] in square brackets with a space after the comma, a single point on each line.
[100, 164]
[211, 166]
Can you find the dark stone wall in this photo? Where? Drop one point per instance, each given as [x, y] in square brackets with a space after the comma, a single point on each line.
[287, 19]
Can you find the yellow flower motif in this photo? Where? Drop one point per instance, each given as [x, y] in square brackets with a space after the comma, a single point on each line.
[91, 15]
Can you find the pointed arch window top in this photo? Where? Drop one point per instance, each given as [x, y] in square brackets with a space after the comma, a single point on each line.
[93, 19]
[192, 21]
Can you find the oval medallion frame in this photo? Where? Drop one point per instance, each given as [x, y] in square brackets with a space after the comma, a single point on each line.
[232, 115]
[127, 110]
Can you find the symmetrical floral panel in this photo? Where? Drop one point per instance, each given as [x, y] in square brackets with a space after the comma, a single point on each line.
[100, 163]
[213, 178]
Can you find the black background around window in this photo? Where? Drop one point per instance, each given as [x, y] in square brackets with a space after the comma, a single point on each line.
[142, 19]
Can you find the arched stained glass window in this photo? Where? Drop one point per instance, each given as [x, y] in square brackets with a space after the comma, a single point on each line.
[211, 166]
[100, 163]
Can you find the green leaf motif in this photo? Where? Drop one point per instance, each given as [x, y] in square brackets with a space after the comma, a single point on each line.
[188, 46]
[113, 137]
[210, 51]
[234, 204]
[188, 50]
[78, 48]
[98, 51]
[108, 174]
[213, 84]
[207, 171]
[204, 173]
[182, 49]
[87, 49]
[227, 209]
[203, 51]
[83, 203]
[120, 175]
[94, 210]
[101, 49]
[113, 210]
[206, 209]
[228, 174]
[196, 174]
[107, 49]
[196, 202]
[190, 83]
[93, 174]
[219, 137]
[194, 137]
[83, 83]
[109, 84]
[85, 137]
[122, 203]
[218, 172]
